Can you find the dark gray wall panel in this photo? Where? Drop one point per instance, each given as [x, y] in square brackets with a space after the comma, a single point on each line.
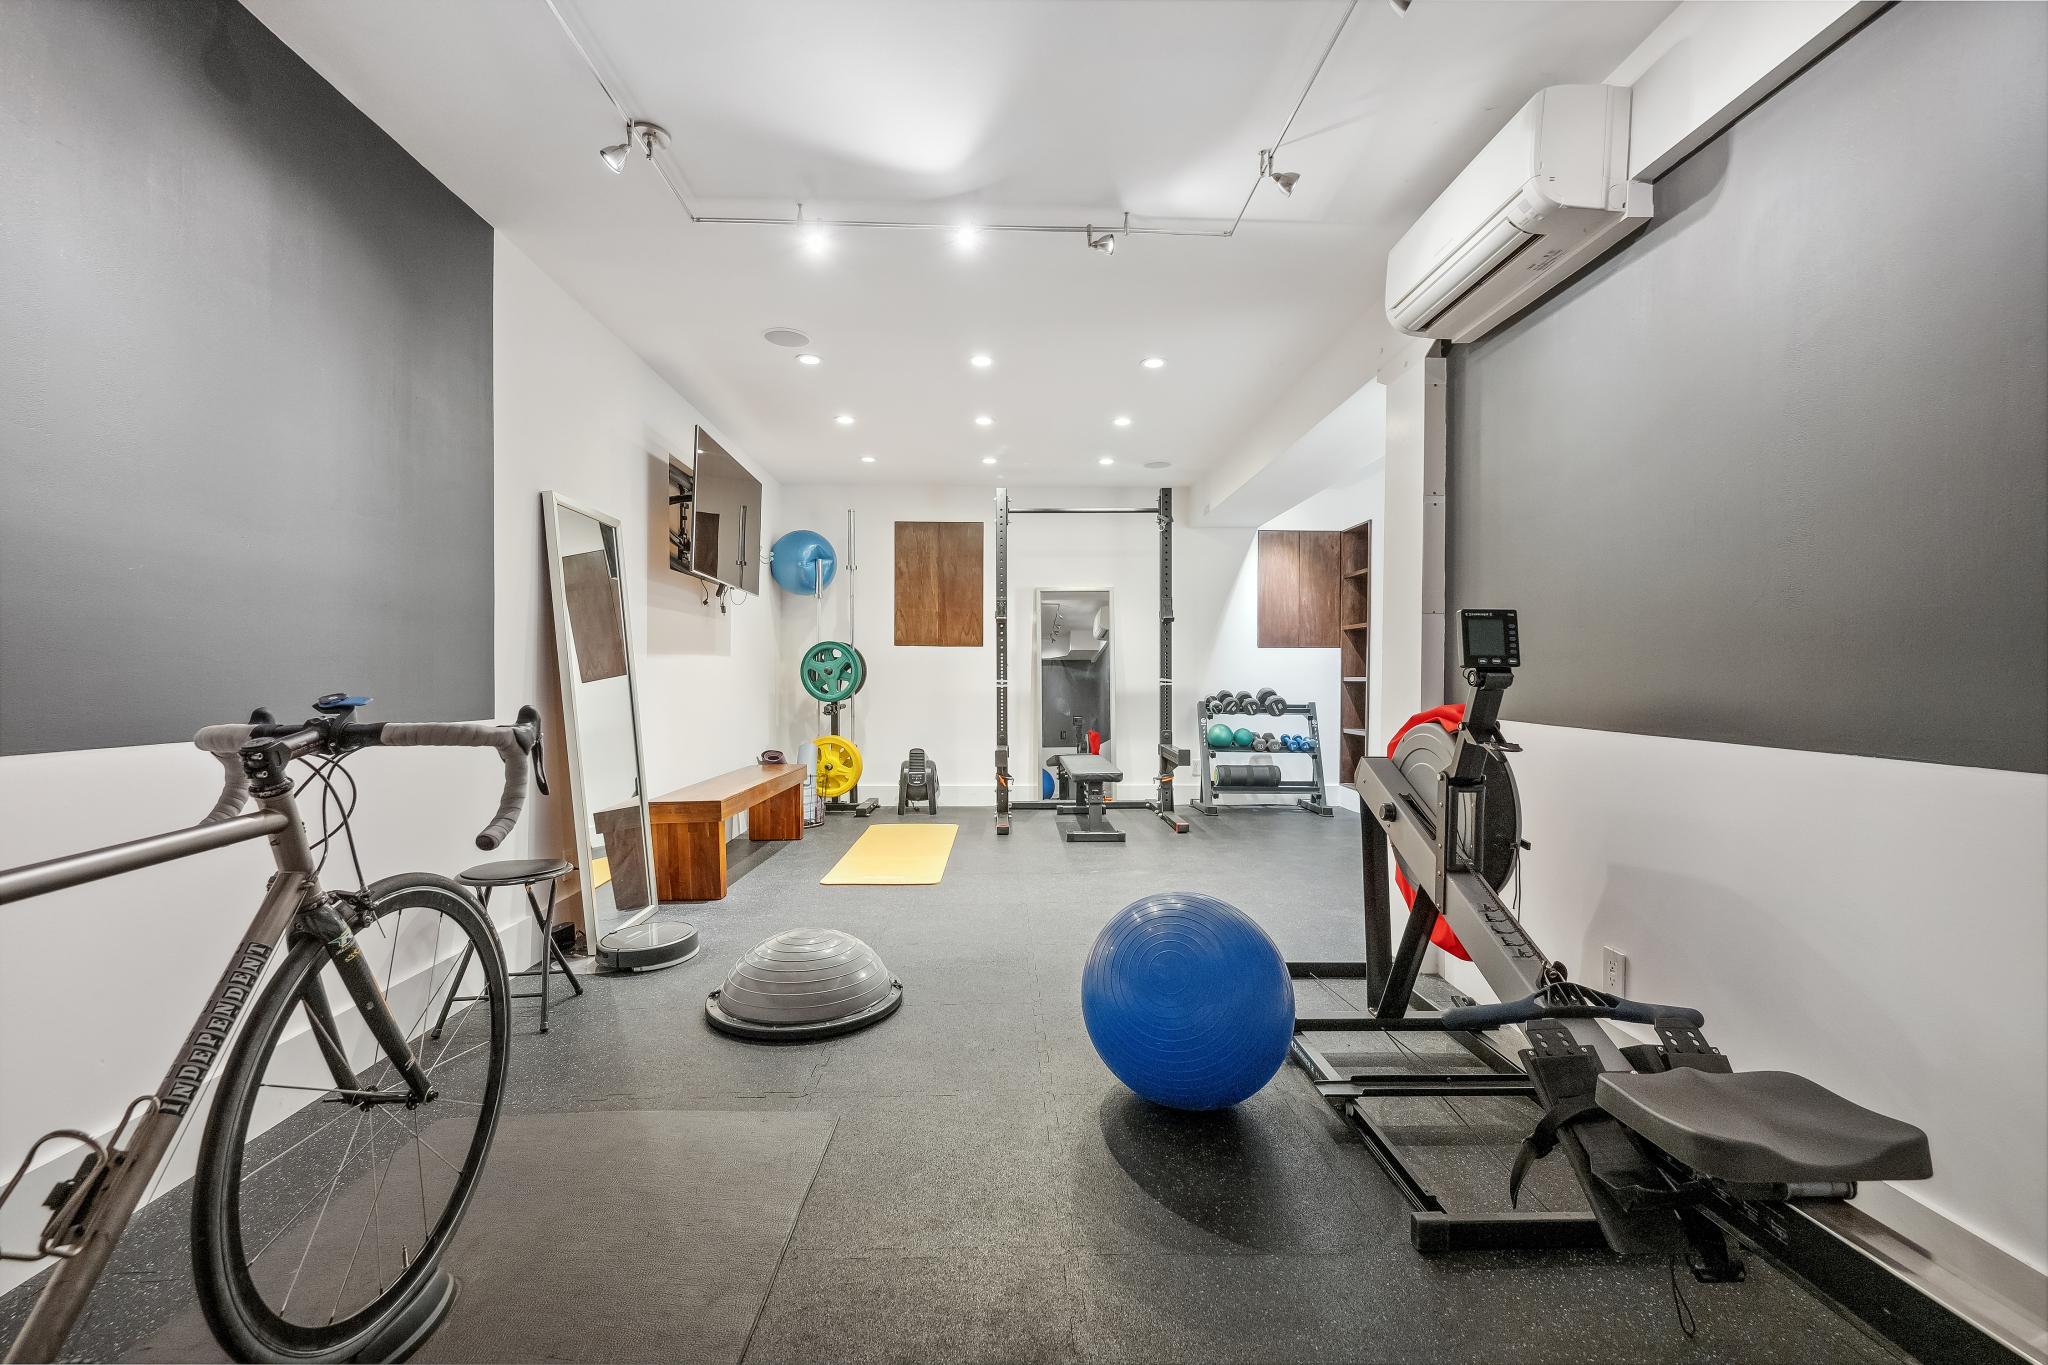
[1776, 472]
[245, 389]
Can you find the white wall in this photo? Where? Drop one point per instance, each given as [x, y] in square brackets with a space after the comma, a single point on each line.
[96, 983]
[579, 413]
[1221, 616]
[943, 699]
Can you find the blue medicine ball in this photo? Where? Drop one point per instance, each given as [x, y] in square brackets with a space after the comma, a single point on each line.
[803, 562]
[1188, 1001]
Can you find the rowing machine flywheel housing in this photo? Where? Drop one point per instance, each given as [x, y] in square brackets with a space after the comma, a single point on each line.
[1423, 754]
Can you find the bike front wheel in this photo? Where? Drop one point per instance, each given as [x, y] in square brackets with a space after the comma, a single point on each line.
[327, 1189]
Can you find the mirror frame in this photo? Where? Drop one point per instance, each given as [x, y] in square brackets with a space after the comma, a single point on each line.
[553, 505]
[1038, 597]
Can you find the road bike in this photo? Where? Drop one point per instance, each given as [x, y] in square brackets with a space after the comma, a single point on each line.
[341, 1143]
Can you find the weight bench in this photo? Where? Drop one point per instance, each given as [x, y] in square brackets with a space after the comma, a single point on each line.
[1087, 822]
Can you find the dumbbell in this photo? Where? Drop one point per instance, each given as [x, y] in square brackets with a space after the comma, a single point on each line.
[1244, 704]
[1271, 742]
[1271, 702]
[1219, 705]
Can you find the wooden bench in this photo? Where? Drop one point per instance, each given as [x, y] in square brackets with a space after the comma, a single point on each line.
[689, 825]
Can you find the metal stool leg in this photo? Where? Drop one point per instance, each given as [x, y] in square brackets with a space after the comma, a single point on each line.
[561, 958]
[461, 967]
[549, 953]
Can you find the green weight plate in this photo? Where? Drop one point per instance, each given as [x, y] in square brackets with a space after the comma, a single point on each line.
[832, 671]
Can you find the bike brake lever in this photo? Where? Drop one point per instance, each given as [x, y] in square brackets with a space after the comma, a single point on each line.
[529, 716]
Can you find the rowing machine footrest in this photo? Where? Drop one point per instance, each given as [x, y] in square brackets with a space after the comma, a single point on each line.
[1606, 1157]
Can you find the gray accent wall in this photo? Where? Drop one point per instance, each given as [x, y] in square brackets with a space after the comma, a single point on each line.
[245, 389]
[1776, 471]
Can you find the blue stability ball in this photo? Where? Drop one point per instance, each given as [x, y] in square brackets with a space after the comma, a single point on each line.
[803, 562]
[1188, 1001]
[1046, 785]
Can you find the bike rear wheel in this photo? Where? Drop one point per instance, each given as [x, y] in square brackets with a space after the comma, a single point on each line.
[322, 1209]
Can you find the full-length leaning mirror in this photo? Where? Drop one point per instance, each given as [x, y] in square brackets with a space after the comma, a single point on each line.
[601, 719]
[1075, 687]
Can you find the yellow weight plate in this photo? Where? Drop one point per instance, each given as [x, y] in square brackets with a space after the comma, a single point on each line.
[838, 765]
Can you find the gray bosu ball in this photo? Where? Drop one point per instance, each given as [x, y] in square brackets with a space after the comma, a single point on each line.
[804, 984]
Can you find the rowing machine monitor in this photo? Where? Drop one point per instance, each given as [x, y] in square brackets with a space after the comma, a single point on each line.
[1492, 640]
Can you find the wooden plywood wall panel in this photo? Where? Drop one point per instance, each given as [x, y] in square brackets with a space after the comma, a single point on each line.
[1279, 566]
[1316, 613]
[938, 583]
[1298, 597]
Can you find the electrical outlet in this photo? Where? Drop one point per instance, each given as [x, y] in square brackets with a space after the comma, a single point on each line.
[1613, 971]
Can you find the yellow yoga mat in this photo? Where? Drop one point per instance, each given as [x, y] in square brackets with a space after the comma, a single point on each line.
[895, 855]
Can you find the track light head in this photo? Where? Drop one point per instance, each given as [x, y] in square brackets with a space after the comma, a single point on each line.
[646, 138]
[1284, 179]
[1103, 242]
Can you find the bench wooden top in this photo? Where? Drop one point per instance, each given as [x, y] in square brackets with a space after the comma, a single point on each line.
[718, 798]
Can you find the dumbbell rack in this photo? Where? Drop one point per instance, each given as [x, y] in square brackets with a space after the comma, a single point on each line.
[1310, 794]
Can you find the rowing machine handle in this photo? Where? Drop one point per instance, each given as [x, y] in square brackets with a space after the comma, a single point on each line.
[1477, 1018]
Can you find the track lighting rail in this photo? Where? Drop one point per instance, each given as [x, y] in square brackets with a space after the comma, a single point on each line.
[1102, 240]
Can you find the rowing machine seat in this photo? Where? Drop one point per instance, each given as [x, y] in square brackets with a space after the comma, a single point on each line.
[1762, 1127]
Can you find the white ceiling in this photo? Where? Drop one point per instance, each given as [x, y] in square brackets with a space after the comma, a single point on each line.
[941, 110]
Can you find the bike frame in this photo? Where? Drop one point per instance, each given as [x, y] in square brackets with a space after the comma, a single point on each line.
[102, 1204]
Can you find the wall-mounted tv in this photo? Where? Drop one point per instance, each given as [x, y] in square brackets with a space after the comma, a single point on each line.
[714, 517]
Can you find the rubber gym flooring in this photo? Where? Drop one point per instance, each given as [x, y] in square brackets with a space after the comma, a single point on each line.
[966, 1182]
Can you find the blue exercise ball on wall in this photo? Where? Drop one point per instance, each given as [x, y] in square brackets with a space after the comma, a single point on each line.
[1187, 1000]
[803, 562]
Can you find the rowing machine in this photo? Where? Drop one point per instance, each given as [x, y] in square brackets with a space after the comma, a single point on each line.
[1673, 1148]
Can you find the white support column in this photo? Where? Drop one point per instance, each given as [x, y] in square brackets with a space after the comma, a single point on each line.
[1408, 627]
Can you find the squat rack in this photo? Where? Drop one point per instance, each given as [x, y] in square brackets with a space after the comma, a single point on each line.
[1169, 756]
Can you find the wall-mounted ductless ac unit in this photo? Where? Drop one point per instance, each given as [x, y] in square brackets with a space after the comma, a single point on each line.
[1543, 200]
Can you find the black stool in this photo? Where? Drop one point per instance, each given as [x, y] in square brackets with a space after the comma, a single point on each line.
[525, 873]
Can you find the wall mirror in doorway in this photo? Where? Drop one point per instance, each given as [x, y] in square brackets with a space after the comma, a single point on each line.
[601, 719]
[1075, 687]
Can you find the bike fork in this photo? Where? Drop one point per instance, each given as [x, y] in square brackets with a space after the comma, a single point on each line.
[346, 954]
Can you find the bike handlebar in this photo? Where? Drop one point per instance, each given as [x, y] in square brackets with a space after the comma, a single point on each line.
[339, 735]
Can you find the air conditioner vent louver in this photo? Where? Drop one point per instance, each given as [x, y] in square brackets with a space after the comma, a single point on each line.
[1545, 197]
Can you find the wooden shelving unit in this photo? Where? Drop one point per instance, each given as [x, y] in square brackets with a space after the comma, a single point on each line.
[1354, 608]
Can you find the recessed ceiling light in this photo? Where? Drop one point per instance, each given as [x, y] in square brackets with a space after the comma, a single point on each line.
[867, 459]
[1107, 459]
[1120, 421]
[967, 236]
[817, 241]
[1153, 362]
[984, 421]
[988, 459]
[981, 360]
[845, 419]
[808, 359]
